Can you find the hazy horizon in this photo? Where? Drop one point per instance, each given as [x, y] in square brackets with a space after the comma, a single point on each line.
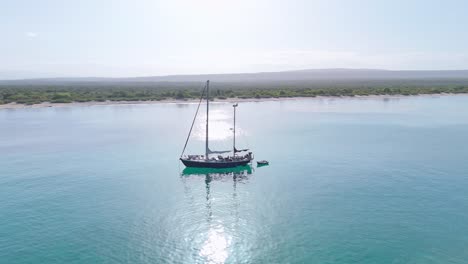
[4, 75]
[304, 76]
[156, 38]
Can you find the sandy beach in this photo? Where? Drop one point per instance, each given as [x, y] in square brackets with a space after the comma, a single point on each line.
[228, 100]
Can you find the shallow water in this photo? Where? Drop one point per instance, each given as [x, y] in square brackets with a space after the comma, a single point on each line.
[350, 181]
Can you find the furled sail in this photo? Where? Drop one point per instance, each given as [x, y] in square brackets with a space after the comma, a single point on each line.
[218, 151]
[240, 150]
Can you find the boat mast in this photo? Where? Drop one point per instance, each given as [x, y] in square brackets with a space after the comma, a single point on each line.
[234, 129]
[207, 112]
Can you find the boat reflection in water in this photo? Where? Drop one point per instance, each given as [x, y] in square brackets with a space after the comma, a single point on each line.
[237, 174]
[215, 236]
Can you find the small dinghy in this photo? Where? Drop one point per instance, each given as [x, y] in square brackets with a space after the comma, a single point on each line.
[262, 162]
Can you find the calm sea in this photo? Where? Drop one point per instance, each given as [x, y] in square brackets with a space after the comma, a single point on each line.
[350, 181]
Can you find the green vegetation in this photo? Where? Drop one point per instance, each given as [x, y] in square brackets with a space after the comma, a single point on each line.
[85, 92]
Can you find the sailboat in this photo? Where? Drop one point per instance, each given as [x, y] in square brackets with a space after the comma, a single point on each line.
[239, 157]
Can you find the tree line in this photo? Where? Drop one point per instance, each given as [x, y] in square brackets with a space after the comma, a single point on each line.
[66, 93]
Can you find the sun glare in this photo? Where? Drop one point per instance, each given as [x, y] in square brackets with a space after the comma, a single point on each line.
[220, 129]
[215, 248]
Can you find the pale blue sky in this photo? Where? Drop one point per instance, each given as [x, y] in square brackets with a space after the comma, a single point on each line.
[149, 37]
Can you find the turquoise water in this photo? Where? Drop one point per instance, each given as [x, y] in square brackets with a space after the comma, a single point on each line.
[350, 181]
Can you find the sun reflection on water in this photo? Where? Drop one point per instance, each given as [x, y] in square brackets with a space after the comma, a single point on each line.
[215, 248]
[221, 124]
[214, 240]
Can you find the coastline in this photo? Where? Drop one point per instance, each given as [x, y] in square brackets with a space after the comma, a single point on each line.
[228, 100]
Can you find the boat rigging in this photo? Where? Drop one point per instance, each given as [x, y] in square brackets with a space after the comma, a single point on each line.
[205, 161]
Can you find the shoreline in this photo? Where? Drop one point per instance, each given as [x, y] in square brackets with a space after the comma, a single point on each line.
[228, 100]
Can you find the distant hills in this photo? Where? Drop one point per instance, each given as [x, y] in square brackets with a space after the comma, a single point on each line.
[316, 74]
[309, 76]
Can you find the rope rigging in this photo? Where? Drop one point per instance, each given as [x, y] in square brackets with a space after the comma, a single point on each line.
[193, 122]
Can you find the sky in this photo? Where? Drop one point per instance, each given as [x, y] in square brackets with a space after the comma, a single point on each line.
[117, 38]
